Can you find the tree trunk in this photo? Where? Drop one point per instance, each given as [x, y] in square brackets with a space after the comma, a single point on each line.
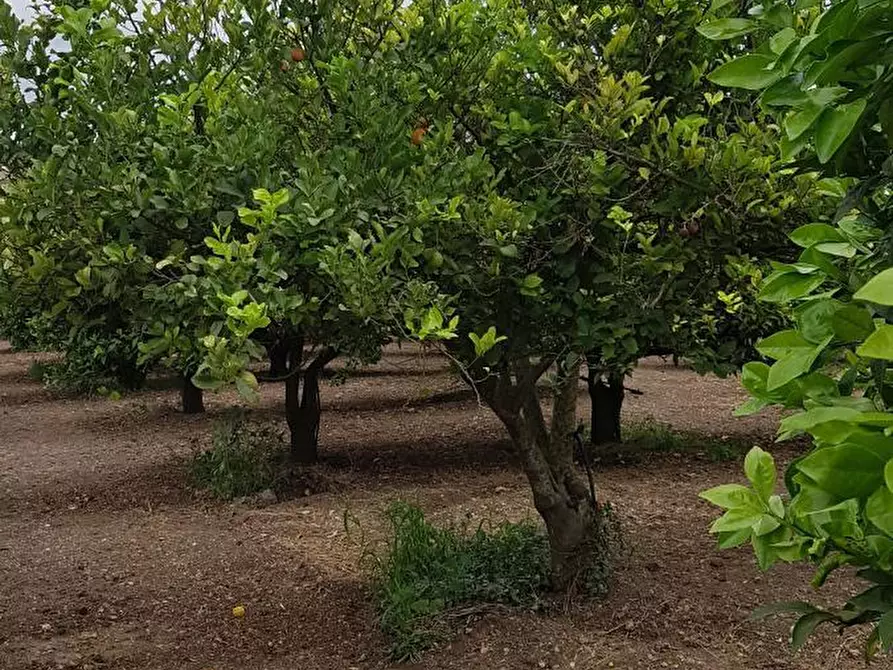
[293, 396]
[192, 397]
[305, 435]
[278, 353]
[607, 402]
[560, 494]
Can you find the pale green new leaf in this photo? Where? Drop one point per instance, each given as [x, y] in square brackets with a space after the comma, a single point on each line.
[729, 496]
[736, 519]
[759, 466]
[879, 289]
[879, 344]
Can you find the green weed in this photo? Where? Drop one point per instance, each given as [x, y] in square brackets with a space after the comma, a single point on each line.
[428, 572]
[651, 435]
[244, 458]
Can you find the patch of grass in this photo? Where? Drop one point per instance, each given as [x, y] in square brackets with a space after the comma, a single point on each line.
[651, 435]
[427, 573]
[244, 458]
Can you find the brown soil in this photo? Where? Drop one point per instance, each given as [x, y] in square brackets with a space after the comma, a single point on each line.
[109, 560]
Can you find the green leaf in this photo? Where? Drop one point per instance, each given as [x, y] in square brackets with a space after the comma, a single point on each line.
[736, 519]
[781, 40]
[829, 70]
[766, 525]
[783, 343]
[246, 385]
[799, 121]
[776, 506]
[841, 520]
[885, 631]
[879, 509]
[793, 365]
[750, 72]
[752, 406]
[759, 467]
[724, 29]
[728, 496]
[805, 627]
[879, 344]
[835, 126]
[818, 386]
[841, 249]
[207, 382]
[355, 240]
[847, 470]
[824, 262]
[763, 542]
[484, 343]
[852, 323]
[812, 233]
[878, 289]
[787, 286]
[815, 319]
[753, 377]
[888, 474]
[734, 538]
[784, 93]
[806, 421]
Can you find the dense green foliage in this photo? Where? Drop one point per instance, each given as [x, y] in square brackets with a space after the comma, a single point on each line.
[426, 572]
[825, 68]
[827, 73]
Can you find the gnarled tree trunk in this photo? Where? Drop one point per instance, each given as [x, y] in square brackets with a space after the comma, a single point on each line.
[561, 495]
[191, 397]
[606, 393]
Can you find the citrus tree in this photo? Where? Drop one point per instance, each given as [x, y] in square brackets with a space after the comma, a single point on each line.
[523, 149]
[140, 134]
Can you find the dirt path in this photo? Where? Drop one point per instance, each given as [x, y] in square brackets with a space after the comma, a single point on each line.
[108, 560]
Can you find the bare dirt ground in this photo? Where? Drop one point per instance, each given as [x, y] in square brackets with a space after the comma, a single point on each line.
[109, 561]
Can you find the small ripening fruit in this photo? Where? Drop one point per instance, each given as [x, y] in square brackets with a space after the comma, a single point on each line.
[284, 66]
[297, 54]
[418, 135]
[239, 611]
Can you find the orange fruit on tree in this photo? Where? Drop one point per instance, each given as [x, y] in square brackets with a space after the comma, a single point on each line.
[297, 54]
